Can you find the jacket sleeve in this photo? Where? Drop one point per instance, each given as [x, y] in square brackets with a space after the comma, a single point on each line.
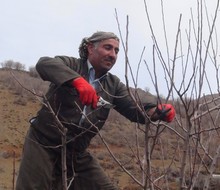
[127, 106]
[57, 70]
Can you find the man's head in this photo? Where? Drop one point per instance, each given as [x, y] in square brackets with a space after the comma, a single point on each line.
[101, 50]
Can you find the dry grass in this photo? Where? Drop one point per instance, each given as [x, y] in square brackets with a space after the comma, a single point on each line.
[14, 124]
[18, 106]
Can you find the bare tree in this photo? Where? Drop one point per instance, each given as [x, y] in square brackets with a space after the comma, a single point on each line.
[187, 147]
[19, 66]
[196, 124]
[10, 64]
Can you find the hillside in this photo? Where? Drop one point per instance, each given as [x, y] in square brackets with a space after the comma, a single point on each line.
[13, 126]
[126, 140]
[18, 106]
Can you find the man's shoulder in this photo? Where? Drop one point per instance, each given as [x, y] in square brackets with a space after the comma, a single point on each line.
[69, 59]
[114, 80]
[73, 62]
[113, 77]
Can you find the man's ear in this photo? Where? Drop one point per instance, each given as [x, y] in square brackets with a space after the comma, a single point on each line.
[90, 48]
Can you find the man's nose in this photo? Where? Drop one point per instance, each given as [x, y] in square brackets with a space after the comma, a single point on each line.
[113, 54]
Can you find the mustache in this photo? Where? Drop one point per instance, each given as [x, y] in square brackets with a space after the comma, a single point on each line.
[110, 59]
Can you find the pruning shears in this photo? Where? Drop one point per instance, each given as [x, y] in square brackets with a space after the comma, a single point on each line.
[104, 103]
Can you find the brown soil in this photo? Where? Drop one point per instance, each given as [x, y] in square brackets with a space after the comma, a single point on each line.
[14, 117]
[13, 126]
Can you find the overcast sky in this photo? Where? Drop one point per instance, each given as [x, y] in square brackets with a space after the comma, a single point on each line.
[31, 29]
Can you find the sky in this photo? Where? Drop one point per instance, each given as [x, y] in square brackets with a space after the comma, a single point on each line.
[36, 28]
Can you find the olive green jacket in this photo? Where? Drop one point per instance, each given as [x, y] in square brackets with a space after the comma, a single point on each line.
[65, 103]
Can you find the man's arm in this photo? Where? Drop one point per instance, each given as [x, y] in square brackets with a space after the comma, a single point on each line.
[128, 107]
[56, 70]
[60, 70]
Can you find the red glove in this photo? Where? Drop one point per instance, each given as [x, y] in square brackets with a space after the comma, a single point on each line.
[87, 93]
[166, 112]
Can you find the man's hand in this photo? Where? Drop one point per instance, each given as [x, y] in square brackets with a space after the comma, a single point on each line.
[87, 93]
[165, 112]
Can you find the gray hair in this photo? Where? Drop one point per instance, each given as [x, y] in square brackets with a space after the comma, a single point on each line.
[96, 37]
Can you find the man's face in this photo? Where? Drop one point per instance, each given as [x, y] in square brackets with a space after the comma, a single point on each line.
[103, 55]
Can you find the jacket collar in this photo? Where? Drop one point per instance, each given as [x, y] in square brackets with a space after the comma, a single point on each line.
[89, 66]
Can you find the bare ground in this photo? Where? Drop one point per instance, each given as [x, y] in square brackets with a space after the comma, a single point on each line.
[15, 113]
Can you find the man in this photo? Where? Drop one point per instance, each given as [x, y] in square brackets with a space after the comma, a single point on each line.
[81, 94]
